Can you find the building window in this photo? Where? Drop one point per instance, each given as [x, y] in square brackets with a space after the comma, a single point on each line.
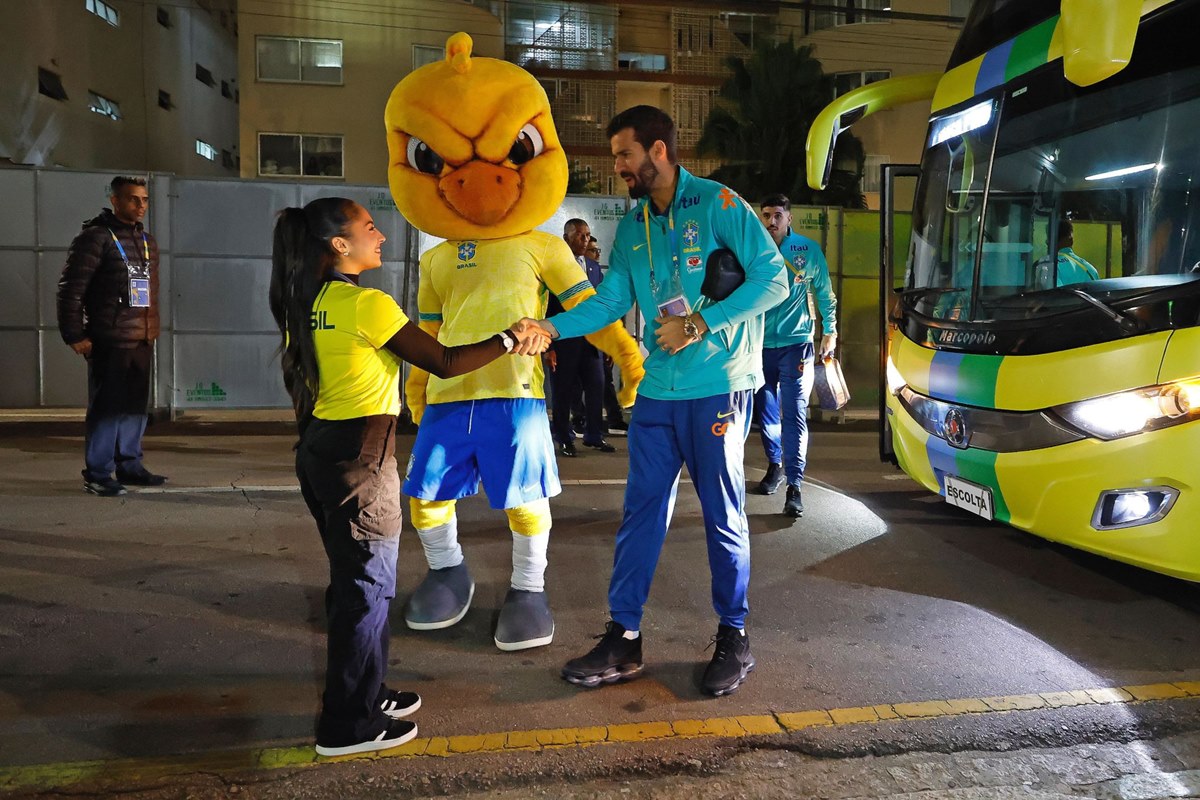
[227, 159]
[102, 105]
[205, 76]
[848, 81]
[164, 100]
[50, 84]
[206, 150]
[225, 91]
[427, 54]
[104, 11]
[164, 17]
[299, 60]
[642, 62]
[852, 12]
[294, 154]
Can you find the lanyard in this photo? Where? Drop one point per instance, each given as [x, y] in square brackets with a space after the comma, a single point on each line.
[650, 248]
[121, 250]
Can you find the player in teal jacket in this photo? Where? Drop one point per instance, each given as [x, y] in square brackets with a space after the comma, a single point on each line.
[694, 403]
[788, 353]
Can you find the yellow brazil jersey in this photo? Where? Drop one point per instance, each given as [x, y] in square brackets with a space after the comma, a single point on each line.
[350, 325]
[476, 288]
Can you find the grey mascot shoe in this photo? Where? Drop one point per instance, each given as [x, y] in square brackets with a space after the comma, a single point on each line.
[441, 600]
[525, 621]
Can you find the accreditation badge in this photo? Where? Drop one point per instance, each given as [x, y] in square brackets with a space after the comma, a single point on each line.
[139, 292]
[675, 307]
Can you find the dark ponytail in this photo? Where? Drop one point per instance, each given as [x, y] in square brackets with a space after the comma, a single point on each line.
[302, 258]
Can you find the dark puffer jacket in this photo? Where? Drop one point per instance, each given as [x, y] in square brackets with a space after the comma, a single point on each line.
[93, 293]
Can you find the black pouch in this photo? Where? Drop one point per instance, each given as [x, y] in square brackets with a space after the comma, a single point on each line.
[722, 274]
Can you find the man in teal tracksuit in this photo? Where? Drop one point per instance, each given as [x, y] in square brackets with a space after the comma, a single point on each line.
[788, 353]
[694, 403]
[1068, 267]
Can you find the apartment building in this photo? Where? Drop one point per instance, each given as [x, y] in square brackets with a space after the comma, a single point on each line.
[316, 76]
[121, 84]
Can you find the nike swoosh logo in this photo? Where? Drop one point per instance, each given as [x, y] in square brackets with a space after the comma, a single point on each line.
[726, 414]
[637, 247]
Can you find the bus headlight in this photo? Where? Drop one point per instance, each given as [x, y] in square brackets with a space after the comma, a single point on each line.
[1137, 411]
[894, 380]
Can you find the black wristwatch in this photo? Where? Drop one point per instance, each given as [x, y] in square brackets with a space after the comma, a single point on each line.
[507, 340]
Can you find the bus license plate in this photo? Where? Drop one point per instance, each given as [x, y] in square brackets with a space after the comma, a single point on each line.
[970, 496]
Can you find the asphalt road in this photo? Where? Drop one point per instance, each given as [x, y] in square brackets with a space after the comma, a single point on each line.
[183, 622]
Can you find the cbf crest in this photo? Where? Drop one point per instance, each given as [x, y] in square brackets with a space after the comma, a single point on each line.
[801, 264]
[691, 236]
[466, 251]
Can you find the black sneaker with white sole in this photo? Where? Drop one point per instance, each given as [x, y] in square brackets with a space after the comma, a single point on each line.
[794, 505]
[398, 732]
[614, 659]
[772, 480]
[105, 487]
[400, 704]
[732, 661]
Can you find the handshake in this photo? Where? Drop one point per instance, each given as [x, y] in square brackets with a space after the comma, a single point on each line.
[531, 338]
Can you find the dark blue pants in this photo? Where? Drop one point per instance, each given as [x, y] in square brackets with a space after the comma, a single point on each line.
[580, 368]
[709, 436]
[118, 395]
[783, 407]
[113, 442]
[349, 481]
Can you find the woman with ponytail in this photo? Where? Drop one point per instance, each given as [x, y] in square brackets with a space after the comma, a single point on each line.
[342, 348]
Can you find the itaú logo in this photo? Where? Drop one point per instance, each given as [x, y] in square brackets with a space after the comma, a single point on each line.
[965, 337]
[954, 428]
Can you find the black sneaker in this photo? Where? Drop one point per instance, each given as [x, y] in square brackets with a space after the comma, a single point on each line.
[618, 425]
[772, 480]
[143, 477]
[568, 450]
[400, 704]
[398, 732]
[731, 662]
[105, 487]
[614, 659]
[602, 446]
[793, 506]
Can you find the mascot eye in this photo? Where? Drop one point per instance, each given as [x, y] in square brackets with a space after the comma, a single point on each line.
[422, 158]
[527, 147]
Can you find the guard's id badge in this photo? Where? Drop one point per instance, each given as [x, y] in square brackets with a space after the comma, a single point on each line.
[675, 307]
[139, 292]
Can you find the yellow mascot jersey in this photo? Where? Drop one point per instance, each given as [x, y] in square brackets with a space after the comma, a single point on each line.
[475, 289]
[350, 325]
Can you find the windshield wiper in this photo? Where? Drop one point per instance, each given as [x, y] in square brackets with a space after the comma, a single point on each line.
[1125, 322]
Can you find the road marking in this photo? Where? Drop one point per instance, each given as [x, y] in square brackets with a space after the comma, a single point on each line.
[140, 771]
[212, 489]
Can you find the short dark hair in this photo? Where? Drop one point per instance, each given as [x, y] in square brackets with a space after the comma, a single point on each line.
[649, 125]
[121, 181]
[573, 224]
[776, 201]
[592, 239]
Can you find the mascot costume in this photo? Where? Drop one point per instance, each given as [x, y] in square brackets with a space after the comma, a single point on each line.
[475, 160]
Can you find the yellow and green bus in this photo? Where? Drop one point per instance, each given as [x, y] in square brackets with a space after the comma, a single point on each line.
[1041, 351]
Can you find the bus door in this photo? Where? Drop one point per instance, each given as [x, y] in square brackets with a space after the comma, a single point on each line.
[898, 188]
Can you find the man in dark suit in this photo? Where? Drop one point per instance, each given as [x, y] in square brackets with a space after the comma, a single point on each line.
[577, 366]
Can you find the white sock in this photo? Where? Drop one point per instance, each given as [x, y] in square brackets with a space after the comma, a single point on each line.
[631, 634]
[441, 545]
[529, 561]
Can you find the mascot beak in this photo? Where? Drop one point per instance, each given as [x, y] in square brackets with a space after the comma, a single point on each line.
[480, 192]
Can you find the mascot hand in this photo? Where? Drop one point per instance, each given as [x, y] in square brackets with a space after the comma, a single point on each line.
[614, 340]
[414, 393]
[418, 380]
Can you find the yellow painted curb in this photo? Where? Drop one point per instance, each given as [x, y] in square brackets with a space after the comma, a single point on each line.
[134, 770]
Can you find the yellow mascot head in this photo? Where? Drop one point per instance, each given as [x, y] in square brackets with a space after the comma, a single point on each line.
[473, 153]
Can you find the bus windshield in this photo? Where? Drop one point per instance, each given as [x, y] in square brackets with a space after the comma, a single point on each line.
[1045, 198]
